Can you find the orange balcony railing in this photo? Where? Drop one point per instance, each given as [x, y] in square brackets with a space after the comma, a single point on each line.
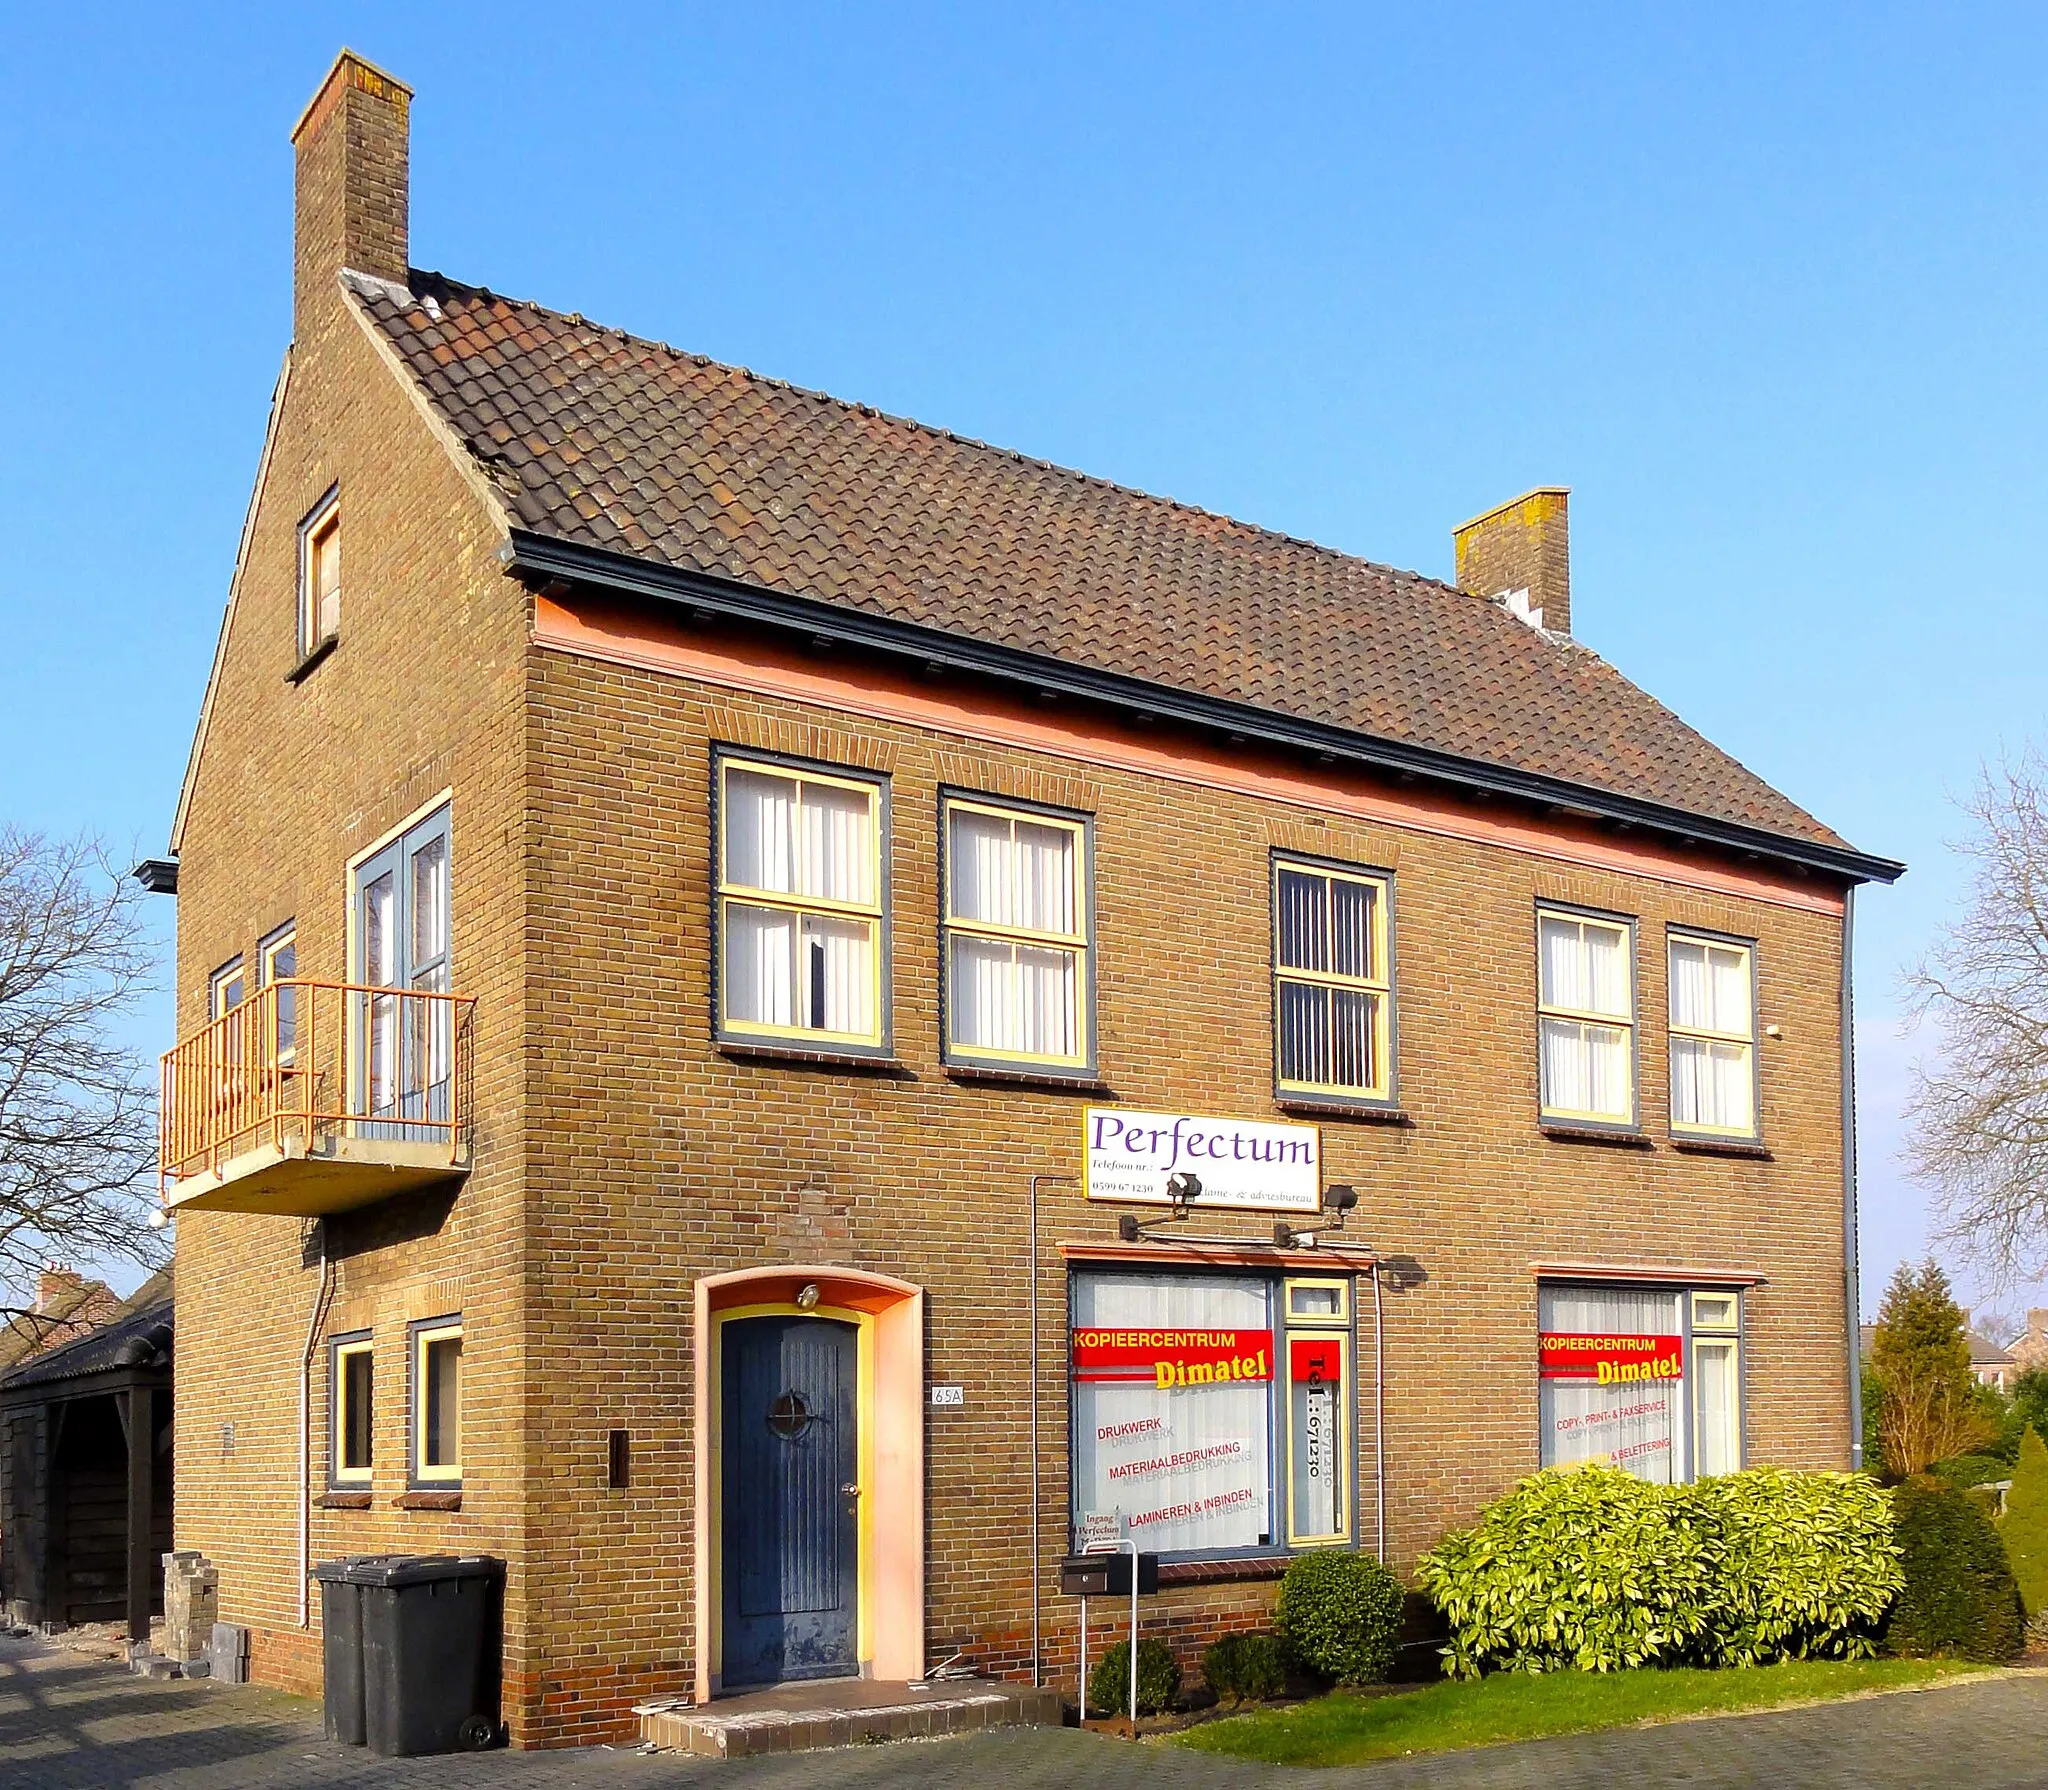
[305, 1067]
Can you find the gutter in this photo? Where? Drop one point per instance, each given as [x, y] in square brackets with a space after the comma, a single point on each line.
[547, 558]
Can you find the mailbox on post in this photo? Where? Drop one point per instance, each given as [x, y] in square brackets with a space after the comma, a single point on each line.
[1108, 1575]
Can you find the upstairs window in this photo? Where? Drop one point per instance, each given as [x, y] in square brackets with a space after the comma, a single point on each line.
[277, 961]
[1585, 993]
[1713, 1037]
[1018, 980]
[801, 908]
[1332, 998]
[320, 574]
[225, 989]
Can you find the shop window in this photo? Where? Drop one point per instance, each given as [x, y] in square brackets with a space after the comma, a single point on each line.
[1018, 976]
[1586, 1017]
[320, 574]
[437, 1402]
[1332, 994]
[277, 963]
[802, 924]
[1713, 1036]
[352, 1427]
[1644, 1378]
[1211, 1413]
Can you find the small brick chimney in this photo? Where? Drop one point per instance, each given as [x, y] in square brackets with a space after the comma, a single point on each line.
[352, 180]
[1523, 546]
[56, 1283]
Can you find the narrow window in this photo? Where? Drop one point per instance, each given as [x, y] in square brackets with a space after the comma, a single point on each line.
[1332, 1002]
[1318, 1397]
[437, 1401]
[353, 1426]
[320, 574]
[402, 1034]
[1713, 1037]
[225, 989]
[1717, 1378]
[277, 960]
[801, 919]
[1016, 948]
[1586, 1018]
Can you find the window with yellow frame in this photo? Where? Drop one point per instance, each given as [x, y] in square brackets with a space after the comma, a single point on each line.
[436, 1416]
[802, 905]
[1318, 1412]
[352, 1430]
[1019, 976]
[1333, 1001]
[1586, 1014]
[1713, 1036]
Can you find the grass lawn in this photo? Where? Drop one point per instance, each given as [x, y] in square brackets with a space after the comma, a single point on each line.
[1348, 1729]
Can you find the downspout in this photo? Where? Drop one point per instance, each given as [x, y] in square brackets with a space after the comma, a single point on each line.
[1851, 1291]
[306, 1421]
[1379, 1416]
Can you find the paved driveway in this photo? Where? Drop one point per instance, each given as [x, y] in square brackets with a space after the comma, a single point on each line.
[67, 1722]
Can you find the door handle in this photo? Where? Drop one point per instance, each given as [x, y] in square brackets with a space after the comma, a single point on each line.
[849, 1490]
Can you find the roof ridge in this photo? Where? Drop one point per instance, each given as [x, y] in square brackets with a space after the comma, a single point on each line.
[936, 430]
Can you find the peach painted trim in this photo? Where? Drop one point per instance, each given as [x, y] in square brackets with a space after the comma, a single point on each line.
[895, 1573]
[621, 637]
[1662, 1274]
[1336, 1259]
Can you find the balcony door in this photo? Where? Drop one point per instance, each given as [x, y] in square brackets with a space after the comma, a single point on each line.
[402, 1044]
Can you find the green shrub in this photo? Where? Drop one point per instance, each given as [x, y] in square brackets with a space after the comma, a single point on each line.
[1967, 1470]
[1595, 1569]
[1245, 1668]
[1808, 1564]
[1109, 1684]
[1589, 1567]
[2025, 1529]
[1339, 1614]
[1959, 1600]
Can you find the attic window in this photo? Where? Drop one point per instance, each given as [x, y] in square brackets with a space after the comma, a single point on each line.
[320, 574]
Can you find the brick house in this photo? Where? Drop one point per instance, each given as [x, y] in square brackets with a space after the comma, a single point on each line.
[707, 912]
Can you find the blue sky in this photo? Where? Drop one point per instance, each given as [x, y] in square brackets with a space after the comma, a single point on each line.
[1763, 285]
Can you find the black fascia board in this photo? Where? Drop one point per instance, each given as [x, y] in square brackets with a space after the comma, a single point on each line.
[158, 875]
[546, 557]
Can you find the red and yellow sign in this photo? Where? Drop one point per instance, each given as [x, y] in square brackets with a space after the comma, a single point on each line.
[1172, 1358]
[1611, 1360]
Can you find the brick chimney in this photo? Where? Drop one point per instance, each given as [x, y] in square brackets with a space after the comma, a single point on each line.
[1522, 551]
[56, 1283]
[352, 162]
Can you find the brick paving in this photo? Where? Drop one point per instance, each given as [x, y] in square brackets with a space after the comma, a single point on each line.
[69, 1722]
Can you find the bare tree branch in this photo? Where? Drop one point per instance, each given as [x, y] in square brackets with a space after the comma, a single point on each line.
[1978, 1115]
[77, 1106]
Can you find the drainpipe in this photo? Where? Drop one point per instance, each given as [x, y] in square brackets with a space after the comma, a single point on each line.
[1379, 1415]
[1851, 1290]
[306, 1421]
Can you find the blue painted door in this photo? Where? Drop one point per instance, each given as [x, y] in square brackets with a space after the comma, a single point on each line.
[790, 1500]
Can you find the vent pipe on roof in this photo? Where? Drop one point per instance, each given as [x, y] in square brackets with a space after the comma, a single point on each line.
[1520, 554]
[352, 183]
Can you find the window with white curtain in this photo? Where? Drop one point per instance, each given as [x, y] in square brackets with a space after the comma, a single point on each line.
[800, 904]
[1016, 946]
[1648, 1379]
[1332, 998]
[1713, 1036]
[1585, 995]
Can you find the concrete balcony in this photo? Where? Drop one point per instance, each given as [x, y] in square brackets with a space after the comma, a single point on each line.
[317, 1097]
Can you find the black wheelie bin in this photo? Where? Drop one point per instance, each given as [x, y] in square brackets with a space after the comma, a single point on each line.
[433, 1652]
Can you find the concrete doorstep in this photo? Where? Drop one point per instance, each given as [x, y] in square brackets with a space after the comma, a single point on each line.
[800, 1718]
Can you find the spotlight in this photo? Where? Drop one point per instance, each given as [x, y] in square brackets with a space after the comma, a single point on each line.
[1183, 1187]
[1340, 1198]
[808, 1297]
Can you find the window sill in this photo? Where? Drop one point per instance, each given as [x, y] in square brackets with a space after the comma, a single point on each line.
[306, 666]
[343, 1501]
[448, 1500]
[1723, 1146]
[746, 1051]
[1221, 1572]
[1359, 1113]
[1081, 1083]
[1591, 1134]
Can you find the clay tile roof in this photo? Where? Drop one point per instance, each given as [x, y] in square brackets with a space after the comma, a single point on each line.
[604, 440]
